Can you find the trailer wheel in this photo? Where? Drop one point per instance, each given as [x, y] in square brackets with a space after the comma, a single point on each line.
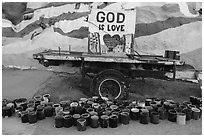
[110, 84]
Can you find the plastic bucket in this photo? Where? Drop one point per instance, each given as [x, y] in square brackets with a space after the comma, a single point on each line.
[48, 111]
[75, 118]
[32, 117]
[94, 121]
[181, 118]
[188, 113]
[46, 97]
[124, 118]
[86, 116]
[59, 121]
[155, 117]
[68, 121]
[38, 98]
[113, 121]
[144, 117]
[196, 113]
[24, 116]
[172, 115]
[40, 112]
[147, 101]
[134, 114]
[104, 121]
[81, 124]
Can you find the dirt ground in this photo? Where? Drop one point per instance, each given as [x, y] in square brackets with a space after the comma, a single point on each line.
[61, 86]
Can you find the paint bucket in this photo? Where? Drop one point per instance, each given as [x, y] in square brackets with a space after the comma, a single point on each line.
[95, 105]
[7, 111]
[40, 112]
[126, 103]
[24, 117]
[104, 121]
[46, 97]
[113, 121]
[58, 110]
[124, 118]
[191, 106]
[49, 104]
[64, 104]
[32, 117]
[81, 124]
[95, 98]
[48, 111]
[38, 98]
[147, 101]
[20, 101]
[18, 111]
[155, 118]
[103, 106]
[154, 105]
[142, 104]
[188, 113]
[181, 118]
[78, 110]
[172, 115]
[172, 105]
[31, 105]
[94, 121]
[89, 110]
[74, 104]
[144, 117]
[99, 111]
[59, 121]
[126, 110]
[24, 106]
[68, 121]
[75, 118]
[84, 100]
[166, 106]
[186, 103]
[87, 117]
[30, 109]
[90, 102]
[195, 113]
[158, 101]
[114, 107]
[65, 112]
[134, 114]
[11, 105]
[162, 113]
[37, 103]
[55, 106]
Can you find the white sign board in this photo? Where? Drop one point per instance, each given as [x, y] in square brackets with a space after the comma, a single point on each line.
[111, 26]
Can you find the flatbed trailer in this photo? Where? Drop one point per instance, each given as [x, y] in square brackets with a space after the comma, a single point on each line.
[111, 73]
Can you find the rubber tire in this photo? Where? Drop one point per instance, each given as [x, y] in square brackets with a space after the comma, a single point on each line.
[115, 77]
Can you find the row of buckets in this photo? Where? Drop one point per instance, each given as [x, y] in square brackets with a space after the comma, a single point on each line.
[96, 112]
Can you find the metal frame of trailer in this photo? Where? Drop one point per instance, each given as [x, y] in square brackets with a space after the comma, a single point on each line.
[110, 73]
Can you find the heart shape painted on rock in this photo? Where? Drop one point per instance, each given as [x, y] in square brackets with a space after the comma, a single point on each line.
[111, 42]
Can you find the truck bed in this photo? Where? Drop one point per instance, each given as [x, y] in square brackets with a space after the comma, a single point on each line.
[117, 58]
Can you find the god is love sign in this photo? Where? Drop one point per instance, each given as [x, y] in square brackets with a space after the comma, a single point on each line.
[111, 25]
